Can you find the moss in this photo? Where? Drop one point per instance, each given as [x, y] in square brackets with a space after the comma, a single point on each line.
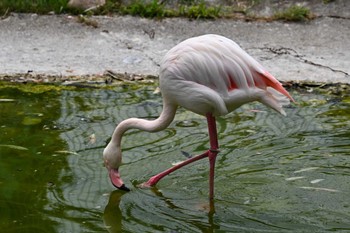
[35, 88]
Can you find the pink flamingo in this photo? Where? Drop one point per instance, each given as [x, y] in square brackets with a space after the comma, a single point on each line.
[209, 75]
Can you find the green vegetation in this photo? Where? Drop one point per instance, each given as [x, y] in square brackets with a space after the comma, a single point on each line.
[194, 9]
[155, 9]
[328, 1]
[143, 8]
[294, 13]
[200, 11]
[152, 9]
[36, 6]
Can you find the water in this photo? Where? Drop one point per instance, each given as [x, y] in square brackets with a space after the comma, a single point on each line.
[273, 174]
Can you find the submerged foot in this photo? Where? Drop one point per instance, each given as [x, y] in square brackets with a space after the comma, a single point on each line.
[144, 185]
[151, 182]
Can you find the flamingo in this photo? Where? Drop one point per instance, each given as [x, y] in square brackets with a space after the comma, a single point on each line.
[209, 75]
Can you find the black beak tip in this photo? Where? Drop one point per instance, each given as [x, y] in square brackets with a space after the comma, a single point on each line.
[124, 188]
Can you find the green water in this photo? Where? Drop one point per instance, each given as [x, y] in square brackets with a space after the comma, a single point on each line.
[273, 174]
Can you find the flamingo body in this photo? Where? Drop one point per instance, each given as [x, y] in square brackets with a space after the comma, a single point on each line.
[209, 75]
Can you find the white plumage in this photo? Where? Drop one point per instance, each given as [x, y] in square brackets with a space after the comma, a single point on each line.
[211, 73]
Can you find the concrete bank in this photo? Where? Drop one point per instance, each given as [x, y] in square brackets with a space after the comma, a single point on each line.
[59, 45]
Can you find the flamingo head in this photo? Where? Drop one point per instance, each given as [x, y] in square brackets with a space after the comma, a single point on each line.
[112, 157]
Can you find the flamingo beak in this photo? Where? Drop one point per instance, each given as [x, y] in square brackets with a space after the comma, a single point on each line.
[117, 182]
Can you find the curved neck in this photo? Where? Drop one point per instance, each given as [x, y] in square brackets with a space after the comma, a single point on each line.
[163, 121]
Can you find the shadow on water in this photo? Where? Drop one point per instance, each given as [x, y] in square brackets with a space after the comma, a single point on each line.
[112, 215]
[273, 174]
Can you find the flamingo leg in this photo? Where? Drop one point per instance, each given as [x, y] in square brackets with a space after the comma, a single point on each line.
[211, 154]
[154, 179]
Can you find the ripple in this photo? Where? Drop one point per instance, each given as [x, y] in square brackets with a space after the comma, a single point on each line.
[273, 174]
[187, 123]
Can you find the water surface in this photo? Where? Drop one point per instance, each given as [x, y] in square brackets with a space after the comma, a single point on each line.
[273, 174]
